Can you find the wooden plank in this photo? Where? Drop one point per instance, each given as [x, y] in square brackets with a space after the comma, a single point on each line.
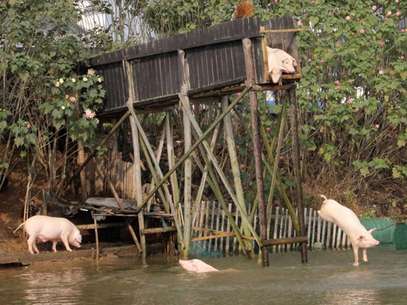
[101, 226]
[158, 230]
[285, 241]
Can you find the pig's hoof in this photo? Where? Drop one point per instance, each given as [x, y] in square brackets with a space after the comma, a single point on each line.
[356, 264]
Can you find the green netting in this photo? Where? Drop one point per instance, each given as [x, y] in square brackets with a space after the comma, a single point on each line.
[400, 236]
[384, 228]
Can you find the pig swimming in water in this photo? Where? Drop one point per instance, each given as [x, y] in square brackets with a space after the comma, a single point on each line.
[196, 265]
[347, 220]
[45, 228]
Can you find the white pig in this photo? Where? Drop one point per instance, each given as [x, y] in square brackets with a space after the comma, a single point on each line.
[347, 220]
[45, 228]
[196, 265]
[279, 61]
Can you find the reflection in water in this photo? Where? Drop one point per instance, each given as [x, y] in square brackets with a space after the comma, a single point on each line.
[352, 297]
[53, 288]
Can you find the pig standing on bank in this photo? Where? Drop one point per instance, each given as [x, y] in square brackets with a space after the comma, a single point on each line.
[196, 265]
[347, 220]
[45, 228]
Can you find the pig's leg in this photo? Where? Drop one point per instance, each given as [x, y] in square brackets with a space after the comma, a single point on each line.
[356, 255]
[365, 255]
[64, 239]
[54, 246]
[31, 244]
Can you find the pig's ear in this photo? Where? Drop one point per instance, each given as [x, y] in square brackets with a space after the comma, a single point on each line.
[372, 230]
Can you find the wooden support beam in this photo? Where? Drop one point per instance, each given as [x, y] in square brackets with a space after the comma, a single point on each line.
[234, 161]
[96, 237]
[276, 156]
[209, 155]
[286, 241]
[214, 185]
[134, 236]
[101, 226]
[257, 150]
[198, 198]
[159, 230]
[297, 168]
[136, 155]
[171, 160]
[184, 99]
[157, 174]
[195, 145]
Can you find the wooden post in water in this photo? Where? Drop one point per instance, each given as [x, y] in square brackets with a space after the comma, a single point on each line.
[234, 161]
[250, 79]
[183, 96]
[138, 190]
[297, 168]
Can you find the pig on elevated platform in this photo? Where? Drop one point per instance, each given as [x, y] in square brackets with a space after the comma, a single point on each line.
[45, 228]
[347, 220]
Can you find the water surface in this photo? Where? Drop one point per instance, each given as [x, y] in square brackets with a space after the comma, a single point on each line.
[329, 279]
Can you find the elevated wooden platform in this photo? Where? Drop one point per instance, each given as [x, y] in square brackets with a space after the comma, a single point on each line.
[215, 59]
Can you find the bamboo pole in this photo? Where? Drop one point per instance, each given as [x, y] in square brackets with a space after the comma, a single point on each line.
[250, 75]
[96, 237]
[297, 167]
[134, 236]
[202, 184]
[136, 157]
[184, 99]
[195, 145]
[214, 185]
[209, 156]
[234, 161]
[171, 160]
[276, 159]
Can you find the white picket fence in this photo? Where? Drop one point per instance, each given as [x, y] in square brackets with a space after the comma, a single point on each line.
[212, 231]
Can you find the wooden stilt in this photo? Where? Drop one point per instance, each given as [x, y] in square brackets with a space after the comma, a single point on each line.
[195, 145]
[250, 75]
[134, 236]
[136, 161]
[96, 237]
[171, 160]
[183, 96]
[209, 156]
[214, 185]
[234, 162]
[297, 168]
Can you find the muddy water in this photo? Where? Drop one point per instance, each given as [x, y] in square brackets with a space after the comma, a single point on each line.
[329, 279]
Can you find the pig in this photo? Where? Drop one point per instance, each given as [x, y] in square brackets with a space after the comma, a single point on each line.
[347, 220]
[196, 265]
[279, 61]
[45, 228]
